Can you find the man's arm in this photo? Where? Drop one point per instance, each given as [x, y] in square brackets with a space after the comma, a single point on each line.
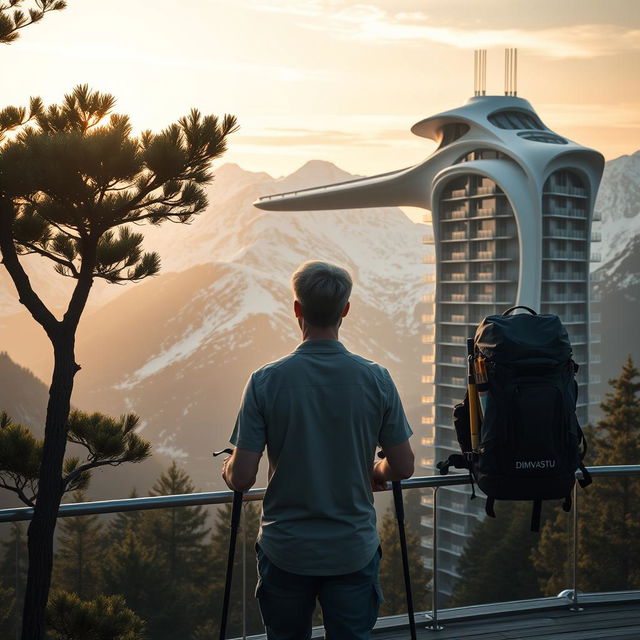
[240, 469]
[398, 464]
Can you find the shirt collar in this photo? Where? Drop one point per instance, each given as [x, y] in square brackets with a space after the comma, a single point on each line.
[321, 346]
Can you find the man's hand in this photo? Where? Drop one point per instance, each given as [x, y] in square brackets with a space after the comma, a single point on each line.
[396, 465]
[240, 468]
[378, 482]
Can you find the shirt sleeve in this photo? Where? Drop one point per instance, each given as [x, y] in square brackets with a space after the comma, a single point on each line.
[395, 428]
[250, 431]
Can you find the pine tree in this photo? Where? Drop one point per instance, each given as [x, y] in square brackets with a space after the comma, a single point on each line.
[391, 573]
[608, 525]
[13, 578]
[123, 522]
[79, 552]
[8, 619]
[130, 569]
[73, 181]
[178, 533]
[167, 547]
[105, 618]
[496, 565]
[13, 18]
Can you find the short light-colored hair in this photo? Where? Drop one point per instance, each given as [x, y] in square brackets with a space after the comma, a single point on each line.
[323, 290]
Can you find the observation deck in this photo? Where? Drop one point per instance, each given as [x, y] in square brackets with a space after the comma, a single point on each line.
[571, 615]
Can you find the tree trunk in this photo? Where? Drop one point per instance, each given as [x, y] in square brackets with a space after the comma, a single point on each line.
[50, 491]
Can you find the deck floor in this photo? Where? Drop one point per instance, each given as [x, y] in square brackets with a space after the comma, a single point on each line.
[616, 621]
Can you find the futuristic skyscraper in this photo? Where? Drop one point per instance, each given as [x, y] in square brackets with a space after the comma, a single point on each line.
[512, 207]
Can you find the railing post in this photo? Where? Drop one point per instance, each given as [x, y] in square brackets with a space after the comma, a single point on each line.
[17, 580]
[433, 625]
[244, 571]
[574, 596]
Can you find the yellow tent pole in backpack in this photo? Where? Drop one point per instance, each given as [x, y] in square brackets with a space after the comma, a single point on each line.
[474, 415]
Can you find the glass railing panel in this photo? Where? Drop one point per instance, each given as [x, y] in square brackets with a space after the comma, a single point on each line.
[498, 559]
[13, 577]
[419, 543]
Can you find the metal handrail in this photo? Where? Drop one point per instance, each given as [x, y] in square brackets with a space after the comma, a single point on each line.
[223, 497]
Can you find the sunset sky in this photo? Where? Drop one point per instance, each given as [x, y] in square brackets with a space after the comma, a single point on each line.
[335, 79]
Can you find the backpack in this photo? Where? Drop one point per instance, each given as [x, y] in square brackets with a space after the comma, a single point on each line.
[529, 442]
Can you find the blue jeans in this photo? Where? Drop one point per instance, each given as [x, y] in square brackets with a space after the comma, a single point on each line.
[349, 602]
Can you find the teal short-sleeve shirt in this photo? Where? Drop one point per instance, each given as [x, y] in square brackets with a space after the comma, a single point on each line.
[320, 412]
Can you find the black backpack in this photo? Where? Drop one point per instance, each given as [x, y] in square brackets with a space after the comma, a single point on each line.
[530, 442]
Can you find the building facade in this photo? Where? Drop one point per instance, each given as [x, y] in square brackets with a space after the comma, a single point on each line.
[511, 205]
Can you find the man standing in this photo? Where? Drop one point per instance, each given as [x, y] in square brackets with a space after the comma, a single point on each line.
[320, 412]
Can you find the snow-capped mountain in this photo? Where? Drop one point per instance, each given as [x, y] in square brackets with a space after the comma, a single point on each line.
[619, 288]
[618, 204]
[178, 348]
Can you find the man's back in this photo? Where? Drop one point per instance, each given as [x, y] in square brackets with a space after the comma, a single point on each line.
[321, 411]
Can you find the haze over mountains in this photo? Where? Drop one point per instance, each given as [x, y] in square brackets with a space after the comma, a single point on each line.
[177, 348]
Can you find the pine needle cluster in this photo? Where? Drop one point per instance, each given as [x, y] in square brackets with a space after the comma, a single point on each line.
[14, 17]
[107, 441]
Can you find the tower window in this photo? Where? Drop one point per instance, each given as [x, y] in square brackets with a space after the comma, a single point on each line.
[482, 154]
[451, 132]
[512, 119]
[549, 138]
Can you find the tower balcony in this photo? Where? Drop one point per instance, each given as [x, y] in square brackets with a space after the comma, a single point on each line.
[564, 276]
[454, 297]
[565, 212]
[555, 254]
[565, 298]
[555, 233]
[565, 190]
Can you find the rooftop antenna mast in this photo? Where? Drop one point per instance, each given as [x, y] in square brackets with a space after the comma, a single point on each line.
[480, 72]
[510, 72]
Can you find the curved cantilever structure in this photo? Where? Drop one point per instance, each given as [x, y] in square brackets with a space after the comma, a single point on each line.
[512, 206]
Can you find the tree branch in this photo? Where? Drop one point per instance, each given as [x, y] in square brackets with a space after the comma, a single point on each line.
[27, 296]
[87, 467]
[51, 256]
[18, 492]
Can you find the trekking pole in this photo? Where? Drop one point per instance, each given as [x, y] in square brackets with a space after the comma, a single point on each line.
[473, 398]
[235, 521]
[399, 507]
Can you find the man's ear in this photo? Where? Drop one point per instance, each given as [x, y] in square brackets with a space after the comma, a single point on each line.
[346, 309]
[297, 309]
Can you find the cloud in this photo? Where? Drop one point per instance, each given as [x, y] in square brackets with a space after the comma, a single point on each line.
[371, 23]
